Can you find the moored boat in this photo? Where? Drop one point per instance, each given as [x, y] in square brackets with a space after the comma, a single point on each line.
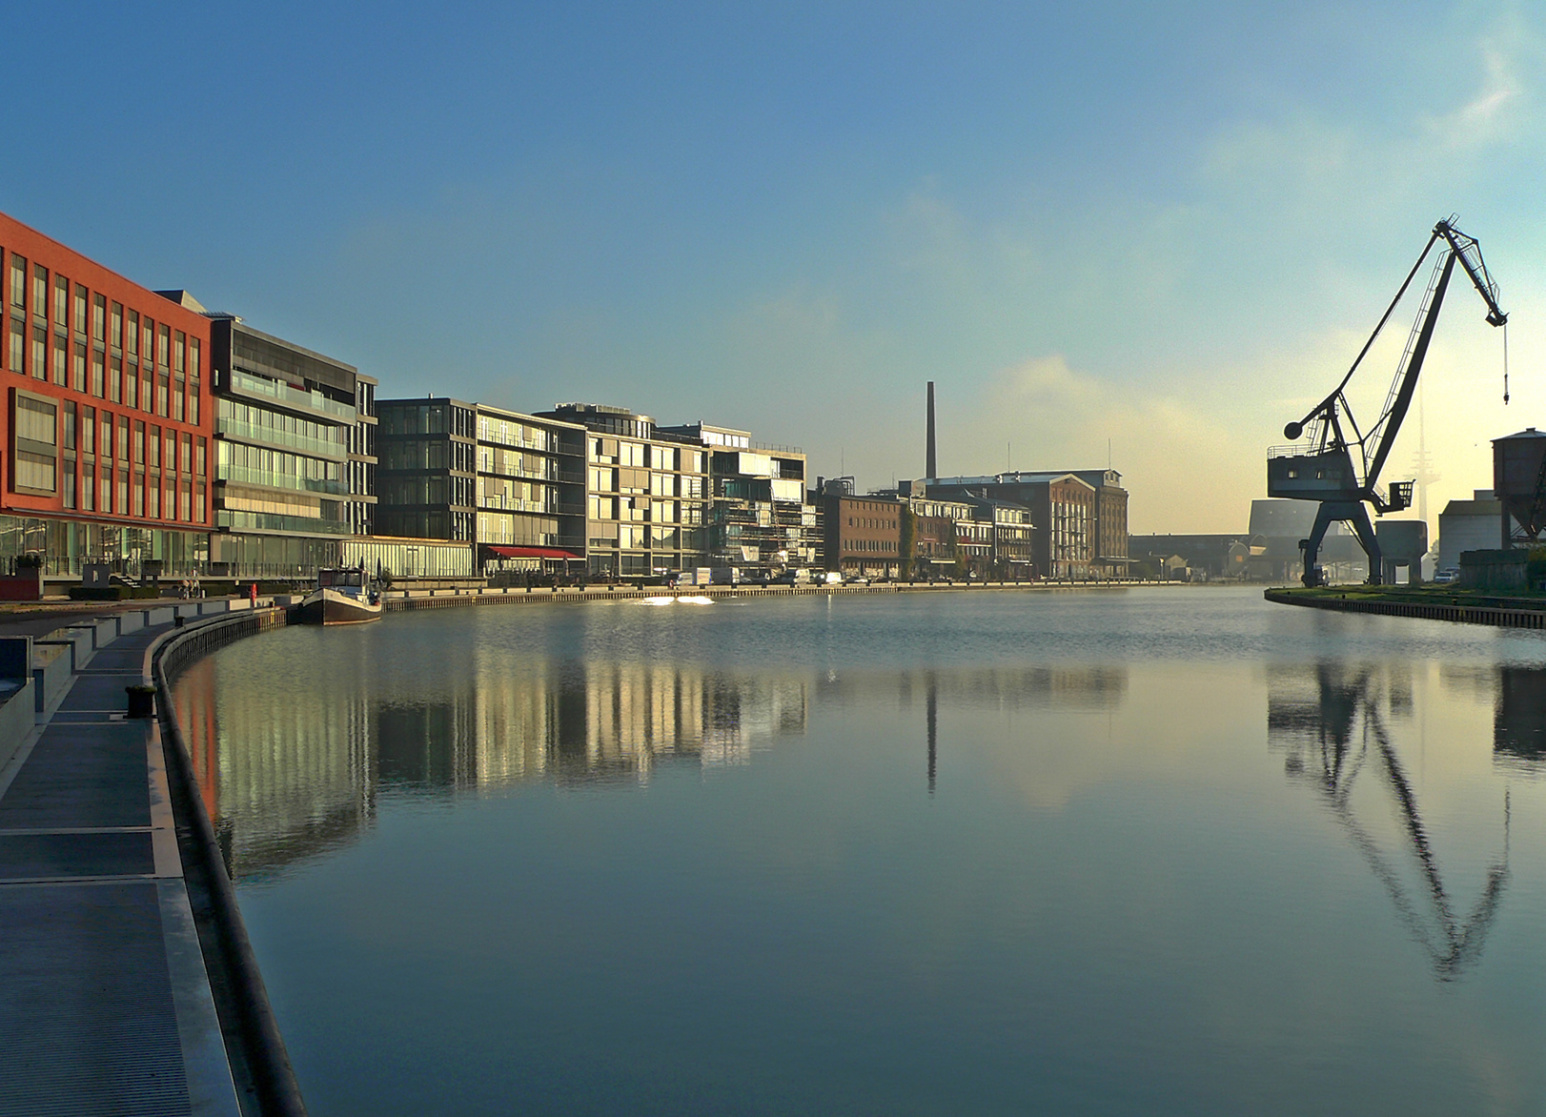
[345, 595]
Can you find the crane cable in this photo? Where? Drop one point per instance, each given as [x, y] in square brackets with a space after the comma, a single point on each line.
[1505, 364]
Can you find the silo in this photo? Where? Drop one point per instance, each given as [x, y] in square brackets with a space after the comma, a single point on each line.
[1402, 543]
[1518, 476]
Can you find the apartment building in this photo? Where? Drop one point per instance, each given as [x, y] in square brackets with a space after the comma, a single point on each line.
[760, 516]
[647, 492]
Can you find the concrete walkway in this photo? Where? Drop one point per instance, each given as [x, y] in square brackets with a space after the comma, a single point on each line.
[105, 1006]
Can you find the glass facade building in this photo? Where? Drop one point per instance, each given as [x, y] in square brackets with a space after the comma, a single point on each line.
[293, 467]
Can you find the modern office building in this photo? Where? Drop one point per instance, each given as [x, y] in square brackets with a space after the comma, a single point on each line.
[293, 462]
[511, 484]
[106, 424]
[647, 492]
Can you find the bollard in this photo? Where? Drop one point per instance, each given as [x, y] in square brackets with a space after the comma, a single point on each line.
[142, 700]
[178, 621]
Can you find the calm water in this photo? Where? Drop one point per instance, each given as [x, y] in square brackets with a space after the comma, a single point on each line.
[1166, 851]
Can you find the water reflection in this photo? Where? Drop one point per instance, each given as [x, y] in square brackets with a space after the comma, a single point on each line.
[294, 776]
[1519, 719]
[1329, 721]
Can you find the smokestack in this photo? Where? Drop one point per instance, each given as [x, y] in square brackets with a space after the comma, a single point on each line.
[930, 464]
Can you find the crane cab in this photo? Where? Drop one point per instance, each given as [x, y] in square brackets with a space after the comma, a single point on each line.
[1328, 475]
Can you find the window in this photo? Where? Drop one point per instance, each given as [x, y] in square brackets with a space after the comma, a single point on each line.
[123, 492]
[163, 345]
[61, 363]
[162, 392]
[69, 484]
[105, 490]
[39, 291]
[194, 368]
[35, 421]
[154, 493]
[69, 424]
[40, 352]
[88, 430]
[78, 368]
[99, 318]
[155, 447]
[185, 460]
[133, 337]
[123, 438]
[179, 341]
[18, 282]
[115, 378]
[201, 458]
[18, 344]
[89, 491]
[139, 494]
[61, 301]
[116, 325]
[97, 373]
[139, 442]
[80, 309]
[107, 435]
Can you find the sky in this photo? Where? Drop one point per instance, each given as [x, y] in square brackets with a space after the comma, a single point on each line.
[1137, 234]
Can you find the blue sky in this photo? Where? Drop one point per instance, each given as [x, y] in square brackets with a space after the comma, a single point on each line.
[1163, 226]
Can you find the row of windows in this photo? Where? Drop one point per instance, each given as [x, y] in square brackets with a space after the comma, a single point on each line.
[612, 451]
[113, 494]
[121, 342]
[248, 421]
[95, 432]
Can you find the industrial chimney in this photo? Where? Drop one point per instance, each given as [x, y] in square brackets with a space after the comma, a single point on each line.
[930, 464]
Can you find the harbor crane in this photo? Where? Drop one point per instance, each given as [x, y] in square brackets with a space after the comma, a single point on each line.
[1323, 467]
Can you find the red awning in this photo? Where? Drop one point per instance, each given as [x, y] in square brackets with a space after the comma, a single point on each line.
[531, 552]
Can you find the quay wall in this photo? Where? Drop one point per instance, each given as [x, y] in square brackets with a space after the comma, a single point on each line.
[1497, 616]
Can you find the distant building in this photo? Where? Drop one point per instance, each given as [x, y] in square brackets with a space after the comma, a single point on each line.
[760, 514]
[508, 484]
[1469, 525]
[647, 492]
[862, 533]
[1080, 516]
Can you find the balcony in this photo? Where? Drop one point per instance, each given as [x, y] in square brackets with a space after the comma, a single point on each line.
[260, 388]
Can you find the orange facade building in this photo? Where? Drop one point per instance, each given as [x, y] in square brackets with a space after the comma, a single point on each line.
[107, 417]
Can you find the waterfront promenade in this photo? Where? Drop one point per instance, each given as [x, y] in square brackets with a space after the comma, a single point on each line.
[105, 1002]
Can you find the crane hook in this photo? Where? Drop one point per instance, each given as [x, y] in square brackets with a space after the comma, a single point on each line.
[1505, 363]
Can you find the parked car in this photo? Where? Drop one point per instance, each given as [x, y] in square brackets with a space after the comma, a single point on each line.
[1447, 575]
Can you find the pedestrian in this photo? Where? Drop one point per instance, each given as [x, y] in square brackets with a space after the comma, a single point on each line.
[252, 594]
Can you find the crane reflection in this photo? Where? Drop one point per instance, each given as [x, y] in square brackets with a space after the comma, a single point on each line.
[1333, 733]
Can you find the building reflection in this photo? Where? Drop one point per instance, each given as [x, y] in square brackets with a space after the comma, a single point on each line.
[1519, 719]
[291, 777]
[1329, 723]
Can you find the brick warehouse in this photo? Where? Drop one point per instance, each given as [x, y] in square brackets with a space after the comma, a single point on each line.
[107, 417]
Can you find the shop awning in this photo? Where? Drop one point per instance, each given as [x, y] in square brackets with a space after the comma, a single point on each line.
[531, 552]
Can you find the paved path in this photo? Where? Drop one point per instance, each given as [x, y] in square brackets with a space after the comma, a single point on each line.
[105, 1005]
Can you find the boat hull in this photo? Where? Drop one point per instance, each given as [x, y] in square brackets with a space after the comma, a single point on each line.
[326, 606]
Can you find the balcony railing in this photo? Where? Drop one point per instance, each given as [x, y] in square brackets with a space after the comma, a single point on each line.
[244, 384]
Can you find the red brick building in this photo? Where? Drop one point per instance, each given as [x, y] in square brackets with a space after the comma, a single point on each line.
[107, 417]
[862, 534]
